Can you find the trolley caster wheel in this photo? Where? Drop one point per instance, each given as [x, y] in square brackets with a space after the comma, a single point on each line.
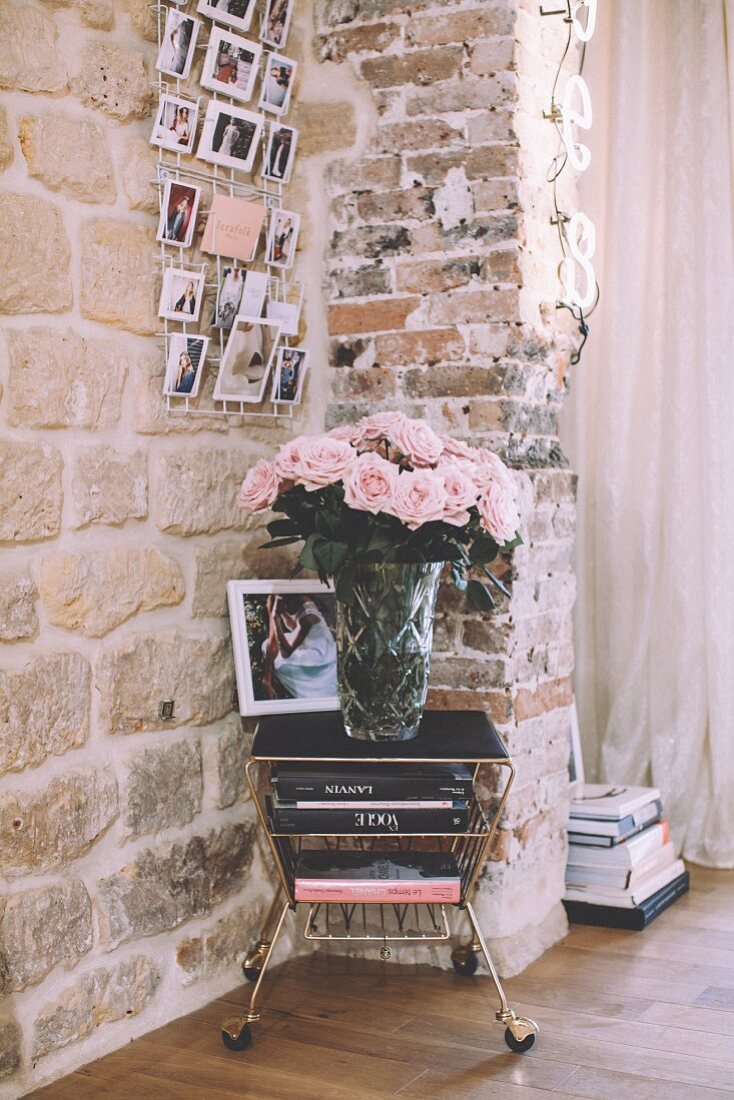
[465, 961]
[520, 1035]
[252, 973]
[240, 1041]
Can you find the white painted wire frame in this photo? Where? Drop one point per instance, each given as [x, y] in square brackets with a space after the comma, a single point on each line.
[221, 181]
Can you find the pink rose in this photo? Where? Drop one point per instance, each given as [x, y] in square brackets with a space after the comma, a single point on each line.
[323, 461]
[380, 425]
[260, 487]
[419, 443]
[490, 467]
[419, 497]
[499, 513]
[348, 432]
[456, 448]
[288, 458]
[369, 484]
[461, 492]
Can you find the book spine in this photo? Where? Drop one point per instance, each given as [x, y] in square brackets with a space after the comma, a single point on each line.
[330, 822]
[380, 789]
[599, 840]
[417, 804]
[314, 890]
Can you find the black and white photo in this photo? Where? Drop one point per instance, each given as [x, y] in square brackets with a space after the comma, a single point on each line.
[284, 641]
[175, 124]
[282, 238]
[280, 152]
[186, 355]
[290, 371]
[276, 22]
[178, 213]
[247, 360]
[233, 13]
[182, 293]
[229, 296]
[230, 136]
[277, 84]
[177, 47]
[231, 64]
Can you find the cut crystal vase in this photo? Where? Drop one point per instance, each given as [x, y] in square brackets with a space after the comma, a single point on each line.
[384, 639]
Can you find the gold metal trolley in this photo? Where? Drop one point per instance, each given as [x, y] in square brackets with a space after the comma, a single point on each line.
[465, 737]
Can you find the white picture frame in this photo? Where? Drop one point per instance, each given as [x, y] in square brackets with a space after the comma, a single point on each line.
[177, 222]
[576, 775]
[253, 606]
[277, 85]
[172, 129]
[230, 136]
[282, 241]
[276, 23]
[243, 70]
[289, 391]
[280, 152]
[178, 44]
[181, 295]
[233, 13]
[194, 348]
[247, 360]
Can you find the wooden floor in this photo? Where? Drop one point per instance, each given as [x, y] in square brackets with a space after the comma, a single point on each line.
[623, 1016]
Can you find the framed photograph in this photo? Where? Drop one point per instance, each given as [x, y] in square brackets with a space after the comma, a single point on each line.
[177, 48]
[230, 64]
[276, 22]
[175, 124]
[284, 641]
[230, 136]
[240, 291]
[282, 238]
[247, 360]
[280, 152]
[178, 213]
[234, 13]
[280, 72]
[290, 371]
[185, 366]
[575, 759]
[182, 293]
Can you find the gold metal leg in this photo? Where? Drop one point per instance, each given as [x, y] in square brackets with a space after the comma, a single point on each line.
[233, 1026]
[521, 1029]
[255, 958]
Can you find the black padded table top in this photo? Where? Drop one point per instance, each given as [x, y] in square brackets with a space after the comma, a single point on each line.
[457, 735]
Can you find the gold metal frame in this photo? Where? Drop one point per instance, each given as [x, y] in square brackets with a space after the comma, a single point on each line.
[519, 1028]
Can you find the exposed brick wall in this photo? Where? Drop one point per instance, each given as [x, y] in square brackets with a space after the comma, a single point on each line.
[441, 282]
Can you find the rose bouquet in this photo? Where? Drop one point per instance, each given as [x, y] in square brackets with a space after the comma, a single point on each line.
[388, 489]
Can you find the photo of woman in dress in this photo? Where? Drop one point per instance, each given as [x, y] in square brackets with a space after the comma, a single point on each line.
[289, 374]
[181, 295]
[229, 297]
[280, 153]
[177, 47]
[235, 13]
[230, 65]
[178, 213]
[277, 19]
[292, 645]
[175, 124]
[230, 136]
[282, 239]
[186, 356]
[277, 84]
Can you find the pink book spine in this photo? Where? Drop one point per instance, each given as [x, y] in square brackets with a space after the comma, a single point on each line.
[436, 804]
[316, 890]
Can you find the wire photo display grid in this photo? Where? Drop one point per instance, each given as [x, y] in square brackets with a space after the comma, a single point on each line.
[227, 296]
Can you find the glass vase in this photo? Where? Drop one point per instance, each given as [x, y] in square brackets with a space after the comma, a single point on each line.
[384, 639]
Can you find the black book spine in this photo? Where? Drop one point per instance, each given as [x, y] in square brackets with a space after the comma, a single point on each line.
[371, 789]
[634, 920]
[331, 822]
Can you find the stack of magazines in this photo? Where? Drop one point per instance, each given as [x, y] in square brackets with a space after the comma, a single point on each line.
[340, 800]
[622, 871]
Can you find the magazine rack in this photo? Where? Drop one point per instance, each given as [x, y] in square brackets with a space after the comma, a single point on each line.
[465, 737]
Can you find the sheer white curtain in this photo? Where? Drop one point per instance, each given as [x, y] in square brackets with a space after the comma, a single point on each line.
[650, 420]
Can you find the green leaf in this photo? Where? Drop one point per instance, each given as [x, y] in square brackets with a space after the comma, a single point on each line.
[329, 556]
[307, 559]
[345, 585]
[279, 527]
[479, 596]
[517, 541]
[483, 551]
[280, 542]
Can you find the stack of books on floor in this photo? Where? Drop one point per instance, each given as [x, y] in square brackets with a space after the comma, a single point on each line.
[393, 800]
[622, 871]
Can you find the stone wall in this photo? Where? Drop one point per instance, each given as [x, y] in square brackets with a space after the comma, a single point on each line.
[131, 874]
[131, 878]
[441, 280]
